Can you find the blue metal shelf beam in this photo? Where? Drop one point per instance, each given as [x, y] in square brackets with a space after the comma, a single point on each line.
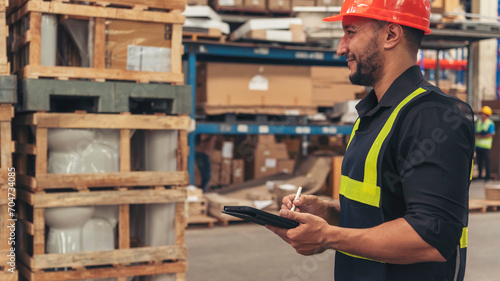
[217, 52]
[243, 129]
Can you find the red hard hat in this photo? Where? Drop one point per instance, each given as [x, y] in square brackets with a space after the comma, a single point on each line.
[412, 13]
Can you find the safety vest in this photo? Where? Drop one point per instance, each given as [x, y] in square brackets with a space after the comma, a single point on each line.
[485, 143]
[360, 197]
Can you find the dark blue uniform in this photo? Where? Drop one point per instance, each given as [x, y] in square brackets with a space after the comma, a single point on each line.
[410, 156]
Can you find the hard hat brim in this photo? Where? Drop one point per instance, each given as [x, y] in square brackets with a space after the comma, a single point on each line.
[341, 16]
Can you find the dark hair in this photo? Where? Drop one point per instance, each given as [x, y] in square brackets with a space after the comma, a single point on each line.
[413, 37]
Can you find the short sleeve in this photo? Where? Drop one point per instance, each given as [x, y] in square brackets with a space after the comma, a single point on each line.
[491, 129]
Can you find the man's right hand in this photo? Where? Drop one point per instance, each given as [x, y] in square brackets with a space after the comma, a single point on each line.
[306, 204]
[328, 210]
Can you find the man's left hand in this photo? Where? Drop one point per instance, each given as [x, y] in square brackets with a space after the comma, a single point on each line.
[308, 237]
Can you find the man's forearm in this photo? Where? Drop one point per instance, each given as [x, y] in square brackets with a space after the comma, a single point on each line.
[333, 212]
[392, 242]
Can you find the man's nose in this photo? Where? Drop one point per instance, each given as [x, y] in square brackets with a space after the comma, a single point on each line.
[342, 48]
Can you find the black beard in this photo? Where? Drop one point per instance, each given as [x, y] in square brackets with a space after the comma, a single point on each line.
[367, 68]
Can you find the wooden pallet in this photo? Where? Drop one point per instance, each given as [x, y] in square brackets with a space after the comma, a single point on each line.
[103, 97]
[222, 219]
[492, 191]
[6, 145]
[38, 179]
[37, 265]
[240, 10]
[4, 34]
[210, 36]
[468, 25]
[7, 272]
[268, 110]
[119, 272]
[128, 4]
[26, 44]
[198, 208]
[480, 205]
[202, 220]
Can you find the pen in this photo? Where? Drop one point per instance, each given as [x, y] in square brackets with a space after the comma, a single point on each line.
[296, 197]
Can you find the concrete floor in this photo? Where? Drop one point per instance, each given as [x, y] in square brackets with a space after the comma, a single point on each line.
[244, 251]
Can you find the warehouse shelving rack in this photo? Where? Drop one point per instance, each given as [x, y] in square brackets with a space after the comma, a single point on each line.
[196, 51]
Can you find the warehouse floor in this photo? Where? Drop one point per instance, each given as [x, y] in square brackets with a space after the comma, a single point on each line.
[244, 251]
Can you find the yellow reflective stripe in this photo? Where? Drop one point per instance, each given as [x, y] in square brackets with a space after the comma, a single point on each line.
[362, 192]
[471, 169]
[359, 257]
[465, 237]
[371, 160]
[354, 129]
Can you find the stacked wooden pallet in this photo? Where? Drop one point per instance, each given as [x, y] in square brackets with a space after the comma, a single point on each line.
[112, 62]
[40, 191]
[8, 269]
[118, 48]
[4, 33]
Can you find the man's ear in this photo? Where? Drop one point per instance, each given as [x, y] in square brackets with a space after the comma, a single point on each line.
[394, 35]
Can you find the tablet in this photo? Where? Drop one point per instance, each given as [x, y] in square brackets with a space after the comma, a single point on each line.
[259, 216]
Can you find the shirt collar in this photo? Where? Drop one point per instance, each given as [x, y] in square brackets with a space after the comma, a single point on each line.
[399, 89]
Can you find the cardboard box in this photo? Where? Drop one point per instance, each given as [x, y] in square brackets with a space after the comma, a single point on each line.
[214, 179]
[261, 163]
[295, 33]
[266, 140]
[279, 5]
[334, 3]
[255, 85]
[443, 6]
[197, 176]
[227, 149]
[331, 85]
[332, 74]
[280, 151]
[198, 208]
[138, 46]
[266, 168]
[327, 95]
[285, 166]
[197, 2]
[227, 4]
[216, 156]
[296, 3]
[335, 174]
[237, 171]
[292, 145]
[225, 172]
[255, 4]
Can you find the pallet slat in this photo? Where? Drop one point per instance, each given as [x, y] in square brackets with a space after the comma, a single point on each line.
[98, 12]
[144, 254]
[100, 121]
[102, 198]
[158, 4]
[4, 34]
[121, 271]
[143, 178]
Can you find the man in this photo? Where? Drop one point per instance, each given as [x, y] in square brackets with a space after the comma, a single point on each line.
[405, 176]
[485, 130]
